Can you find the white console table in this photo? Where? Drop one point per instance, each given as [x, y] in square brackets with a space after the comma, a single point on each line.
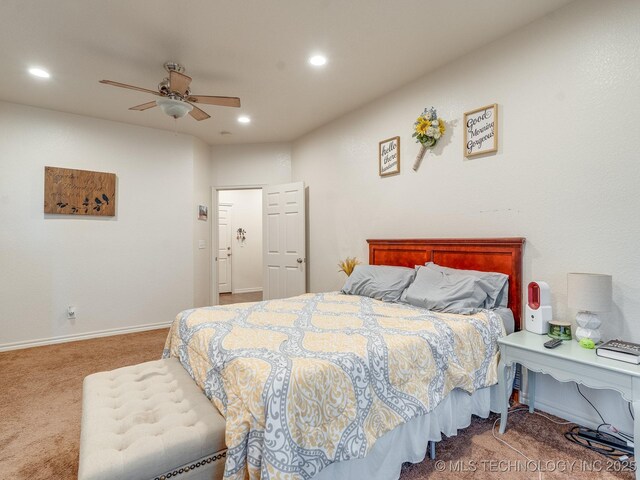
[568, 362]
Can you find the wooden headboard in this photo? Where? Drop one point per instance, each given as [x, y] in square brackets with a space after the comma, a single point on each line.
[502, 255]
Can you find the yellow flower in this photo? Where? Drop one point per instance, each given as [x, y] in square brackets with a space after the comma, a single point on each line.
[441, 126]
[421, 125]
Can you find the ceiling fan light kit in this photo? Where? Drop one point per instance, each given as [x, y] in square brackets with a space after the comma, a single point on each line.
[174, 108]
[176, 100]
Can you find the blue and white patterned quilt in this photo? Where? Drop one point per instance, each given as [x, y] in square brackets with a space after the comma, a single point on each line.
[315, 379]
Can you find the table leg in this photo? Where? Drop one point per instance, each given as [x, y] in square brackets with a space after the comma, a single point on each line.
[505, 393]
[531, 387]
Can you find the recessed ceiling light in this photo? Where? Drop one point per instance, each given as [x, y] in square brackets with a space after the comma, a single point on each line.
[244, 119]
[318, 60]
[39, 72]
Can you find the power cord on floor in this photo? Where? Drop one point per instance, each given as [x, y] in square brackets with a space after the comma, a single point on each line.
[572, 435]
[523, 409]
[609, 452]
[625, 437]
[618, 434]
[493, 431]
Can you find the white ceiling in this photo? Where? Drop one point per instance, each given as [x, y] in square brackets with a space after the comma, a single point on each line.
[254, 49]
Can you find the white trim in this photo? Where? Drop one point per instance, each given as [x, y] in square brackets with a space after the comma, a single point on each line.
[560, 410]
[557, 409]
[247, 290]
[213, 280]
[255, 186]
[5, 347]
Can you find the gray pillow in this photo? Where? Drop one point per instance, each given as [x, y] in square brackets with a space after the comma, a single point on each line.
[379, 281]
[496, 285]
[448, 292]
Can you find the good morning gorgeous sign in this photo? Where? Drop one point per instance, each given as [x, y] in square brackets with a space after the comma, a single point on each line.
[481, 131]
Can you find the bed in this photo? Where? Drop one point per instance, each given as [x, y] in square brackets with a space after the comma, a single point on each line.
[331, 386]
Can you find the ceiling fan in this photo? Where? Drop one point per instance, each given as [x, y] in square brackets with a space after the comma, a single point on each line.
[176, 99]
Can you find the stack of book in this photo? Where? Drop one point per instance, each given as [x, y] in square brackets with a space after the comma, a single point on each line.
[620, 350]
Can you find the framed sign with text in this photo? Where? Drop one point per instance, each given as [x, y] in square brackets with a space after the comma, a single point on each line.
[389, 156]
[79, 192]
[481, 131]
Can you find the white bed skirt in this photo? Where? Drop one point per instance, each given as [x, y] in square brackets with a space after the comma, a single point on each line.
[408, 442]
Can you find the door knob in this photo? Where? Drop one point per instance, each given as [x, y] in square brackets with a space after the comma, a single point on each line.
[299, 260]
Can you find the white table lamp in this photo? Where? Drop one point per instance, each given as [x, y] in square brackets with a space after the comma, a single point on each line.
[589, 293]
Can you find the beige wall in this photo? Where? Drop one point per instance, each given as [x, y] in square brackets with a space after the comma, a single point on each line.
[201, 228]
[254, 164]
[132, 271]
[565, 177]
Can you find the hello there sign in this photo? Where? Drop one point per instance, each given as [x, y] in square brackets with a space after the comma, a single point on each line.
[481, 131]
[389, 156]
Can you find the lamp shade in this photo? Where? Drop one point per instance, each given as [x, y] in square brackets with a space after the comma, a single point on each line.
[589, 292]
[174, 108]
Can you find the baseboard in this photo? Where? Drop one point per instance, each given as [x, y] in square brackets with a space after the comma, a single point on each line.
[247, 290]
[560, 411]
[81, 336]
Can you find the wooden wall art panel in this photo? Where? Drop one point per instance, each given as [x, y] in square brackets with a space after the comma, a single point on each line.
[79, 192]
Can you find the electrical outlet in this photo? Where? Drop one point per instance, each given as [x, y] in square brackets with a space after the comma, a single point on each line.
[71, 312]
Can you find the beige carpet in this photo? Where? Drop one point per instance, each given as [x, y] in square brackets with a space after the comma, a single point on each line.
[40, 403]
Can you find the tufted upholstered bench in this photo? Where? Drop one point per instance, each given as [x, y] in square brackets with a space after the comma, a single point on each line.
[149, 421]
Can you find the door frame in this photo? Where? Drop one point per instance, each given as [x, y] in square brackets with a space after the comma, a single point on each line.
[215, 202]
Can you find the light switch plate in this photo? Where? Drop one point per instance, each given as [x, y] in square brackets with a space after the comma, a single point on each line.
[202, 244]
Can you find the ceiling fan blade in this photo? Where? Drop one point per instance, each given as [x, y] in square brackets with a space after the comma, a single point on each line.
[178, 82]
[211, 100]
[144, 106]
[131, 87]
[199, 114]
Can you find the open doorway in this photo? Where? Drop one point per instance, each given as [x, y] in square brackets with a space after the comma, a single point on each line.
[238, 250]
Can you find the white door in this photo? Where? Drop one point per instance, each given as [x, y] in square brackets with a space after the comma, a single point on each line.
[283, 231]
[224, 248]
